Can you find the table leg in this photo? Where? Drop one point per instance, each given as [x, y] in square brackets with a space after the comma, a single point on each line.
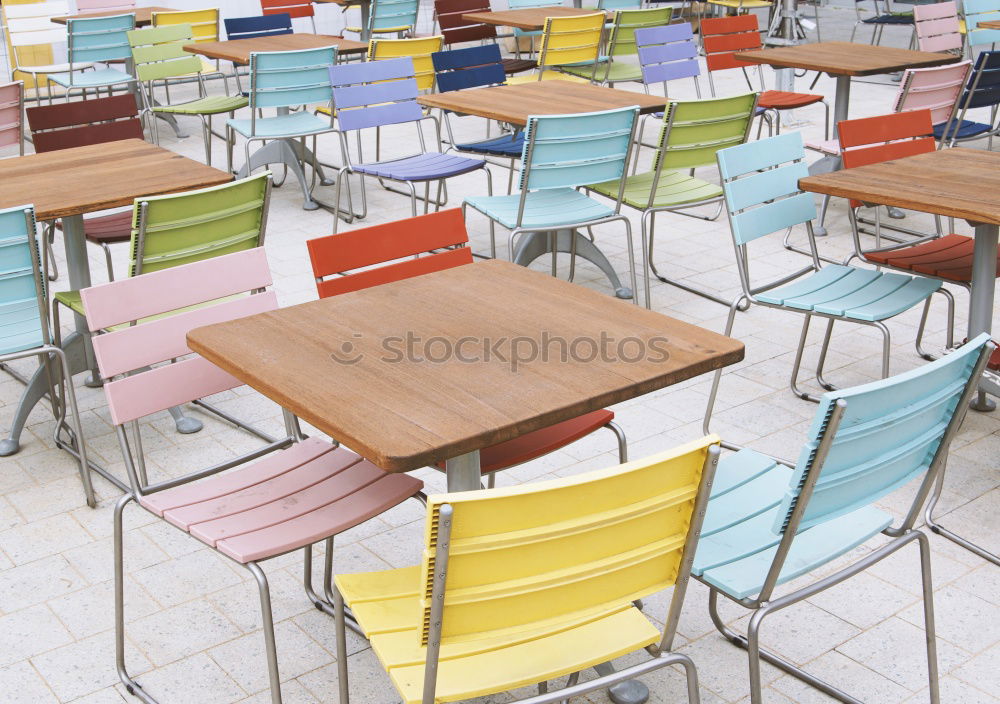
[307, 156]
[366, 9]
[281, 151]
[841, 102]
[981, 306]
[532, 245]
[463, 472]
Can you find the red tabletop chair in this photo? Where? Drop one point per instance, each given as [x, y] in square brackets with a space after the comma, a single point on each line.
[421, 245]
[292, 8]
[457, 30]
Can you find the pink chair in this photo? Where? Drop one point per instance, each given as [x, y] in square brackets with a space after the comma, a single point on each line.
[11, 115]
[125, 6]
[938, 27]
[289, 494]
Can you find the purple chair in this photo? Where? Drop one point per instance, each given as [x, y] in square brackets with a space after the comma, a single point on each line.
[379, 94]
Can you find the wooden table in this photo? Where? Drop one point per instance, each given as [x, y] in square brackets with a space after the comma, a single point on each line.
[239, 50]
[143, 15]
[70, 182]
[529, 18]
[959, 183]
[992, 24]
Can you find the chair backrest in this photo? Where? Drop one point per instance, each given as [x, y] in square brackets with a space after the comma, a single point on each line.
[281, 79]
[158, 52]
[403, 248]
[936, 89]
[621, 5]
[570, 40]
[105, 5]
[83, 122]
[29, 25]
[694, 130]
[393, 15]
[456, 28]
[99, 38]
[938, 27]
[375, 93]
[204, 23]
[11, 110]
[293, 8]
[419, 50]
[181, 228]
[984, 82]
[255, 27]
[563, 549]
[471, 67]
[723, 37]
[622, 41]
[667, 53]
[22, 287]
[977, 11]
[872, 140]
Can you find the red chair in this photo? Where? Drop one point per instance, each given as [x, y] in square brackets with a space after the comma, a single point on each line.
[422, 245]
[292, 8]
[456, 29]
[723, 38]
[78, 124]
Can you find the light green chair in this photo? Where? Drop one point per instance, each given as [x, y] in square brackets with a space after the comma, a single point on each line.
[622, 44]
[692, 132]
[159, 57]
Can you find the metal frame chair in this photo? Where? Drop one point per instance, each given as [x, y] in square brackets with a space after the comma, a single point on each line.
[293, 8]
[568, 41]
[974, 12]
[622, 42]
[880, 19]
[253, 27]
[12, 115]
[983, 91]
[456, 29]
[397, 17]
[204, 25]
[96, 40]
[938, 27]
[769, 521]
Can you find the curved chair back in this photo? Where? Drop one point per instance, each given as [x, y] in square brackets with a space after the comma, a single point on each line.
[627, 22]
[393, 16]
[204, 23]
[695, 130]
[404, 248]
[99, 39]
[293, 8]
[984, 82]
[11, 110]
[23, 300]
[158, 52]
[418, 50]
[79, 123]
[938, 27]
[471, 67]
[181, 228]
[456, 28]
[977, 11]
[723, 37]
[280, 79]
[375, 93]
[937, 89]
[31, 32]
[105, 5]
[667, 53]
[255, 27]
[571, 40]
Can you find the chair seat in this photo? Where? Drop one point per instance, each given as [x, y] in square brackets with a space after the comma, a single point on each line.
[422, 167]
[948, 257]
[387, 605]
[116, 227]
[739, 538]
[891, 18]
[853, 293]
[552, 207]
[508, 145]
[617, 71]
[966, 129]
[673, 189]
[91, 79]
[54, 68]
[381, 30]
[783, 100]
[825, 146]
[517, 65]
[287, 500]
[546, 76]
[210, 105]
[294, 124]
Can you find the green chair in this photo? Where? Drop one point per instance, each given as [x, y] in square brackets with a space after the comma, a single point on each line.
[622, 44]
[692, 132]
[159, 56]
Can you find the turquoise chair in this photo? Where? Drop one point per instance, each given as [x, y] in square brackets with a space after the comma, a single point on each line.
[397, 17]
[561, 153]
[976, 11]
[96, 40]
[769, 522]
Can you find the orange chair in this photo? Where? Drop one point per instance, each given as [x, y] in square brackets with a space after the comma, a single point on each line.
[422, 245]
[292, 8]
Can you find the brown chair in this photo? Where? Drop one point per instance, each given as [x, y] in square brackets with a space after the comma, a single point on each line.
[458, 30]
[78, 124]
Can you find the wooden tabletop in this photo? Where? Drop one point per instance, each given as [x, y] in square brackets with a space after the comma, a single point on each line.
[961, 183]
[403, 411]
[991, 24]
[513, 104]
[97, 177]
[143, 15]
[239, 50]
[526, 18]
[846, 58]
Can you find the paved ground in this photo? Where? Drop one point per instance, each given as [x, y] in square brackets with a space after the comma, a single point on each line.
[193, 628]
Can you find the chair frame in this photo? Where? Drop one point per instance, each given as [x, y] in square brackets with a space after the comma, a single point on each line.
[976, 75]
[19, 106]
[293, 8]
[128, 77]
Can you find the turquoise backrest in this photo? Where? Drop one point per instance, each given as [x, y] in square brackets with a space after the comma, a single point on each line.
[280, 79]
[572, 150]
[889, 435]
[22, 289]
[99, 38]
[387, 14]
[977, 11]
[761, 184]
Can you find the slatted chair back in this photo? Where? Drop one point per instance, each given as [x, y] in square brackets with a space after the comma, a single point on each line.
[281, 79]
[938, 27]
[84, 122]
[30, 30]
[937, 89]
[984, 82]
[471, 67]
[256, 27]
[977, 11]
[574, 547]
[375, 93]
[694, 131]
[204, 23]
[418, 50]
[22, 287]
[393, 15]
[105, 5]
[723, 37]
[626, 23]
[667, 53]
[293, 8]
[11, 112]
[181, 228]
[99, 39]
[158, 52]
[620, 5]
[398, 250]
[571, 40]
[455, 28]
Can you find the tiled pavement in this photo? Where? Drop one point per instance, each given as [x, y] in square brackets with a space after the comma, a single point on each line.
[193, 624]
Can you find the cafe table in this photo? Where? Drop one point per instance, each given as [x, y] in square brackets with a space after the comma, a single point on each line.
[66, 184]
[513, 104]
[527, 18]
[143, 15]
[955, 183]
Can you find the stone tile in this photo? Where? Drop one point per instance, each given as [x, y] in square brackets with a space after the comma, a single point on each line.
[193, 680]
[85, 666]
[802, 632]
[28, 632]
[90, 611]
[55, 497]
[32, 541]
[966, 620]
[982, 671]
[21, 683]
[368, 681]
[291, 693]
[95, 560]
[187, 577]
[863, 600]
[241, 603]
[847, 675]
[35, 582]
[954, 690]
[723, 668]
[184, 630]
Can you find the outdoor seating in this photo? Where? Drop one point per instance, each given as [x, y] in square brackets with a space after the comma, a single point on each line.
[12, 115]
[456, 29]
[90, 41]
[36, 41]
[397, 17]
[293, 8]
[568, 42]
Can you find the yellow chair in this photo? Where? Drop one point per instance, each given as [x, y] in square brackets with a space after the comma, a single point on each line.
[204, 26]
[740, 7]
[419, 50]
[523, 585]
[567, 41]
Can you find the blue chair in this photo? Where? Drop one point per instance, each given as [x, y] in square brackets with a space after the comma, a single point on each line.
[25, 330]
[769, 521]
[397, 17]
[95, 40]
[974, 12]
[285, 80]
[378, 94]
[561, 153]
[982, 91]
[769, 202]
[256, 27]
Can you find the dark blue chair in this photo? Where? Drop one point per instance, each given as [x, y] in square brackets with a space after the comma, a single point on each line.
[982, 91]
[255, 27]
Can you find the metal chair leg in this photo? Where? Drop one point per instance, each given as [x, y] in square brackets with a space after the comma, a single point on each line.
[944, 532]
[107, 261]
[949, 333]
[268, 626]
[798, 363]
[341, 635]
[622, 442]
[717, 377]
[822, 357]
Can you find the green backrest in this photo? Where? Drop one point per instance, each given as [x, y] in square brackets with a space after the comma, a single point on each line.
[694, 130]
[622, 41]
[177, 229]
[158, 52]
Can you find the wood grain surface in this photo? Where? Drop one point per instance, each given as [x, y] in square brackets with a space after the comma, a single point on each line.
[846, 58]
[143, 15]
[526, 18]
[239, 50]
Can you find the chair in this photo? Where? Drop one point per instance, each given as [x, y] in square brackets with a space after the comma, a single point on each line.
[35, 40]
[456, 29]
[739, 7]
[204, 23]
[769, 522]
[77, 124]
[983, 91]
[11, 112]
[622, 43]
[691, 133]
[105, 5]
[568, 42]
[976, 11]
[418, 50]
[95, 39]
[519, 33]
[378, 94]
[397, 17]
[527, 584]
[256, 27]
[158, 55]
[882, 16]
[284, 496]
[293, 8]
[562, 153]
[938, 27]
[25, 331]
[937, 89]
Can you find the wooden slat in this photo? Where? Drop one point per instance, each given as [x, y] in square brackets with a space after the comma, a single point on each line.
[239, 50]
[531, 18]
[846, 58]
[143, 15]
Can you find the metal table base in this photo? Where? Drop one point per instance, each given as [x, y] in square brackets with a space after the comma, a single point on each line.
[532, 245]
[292, 154]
